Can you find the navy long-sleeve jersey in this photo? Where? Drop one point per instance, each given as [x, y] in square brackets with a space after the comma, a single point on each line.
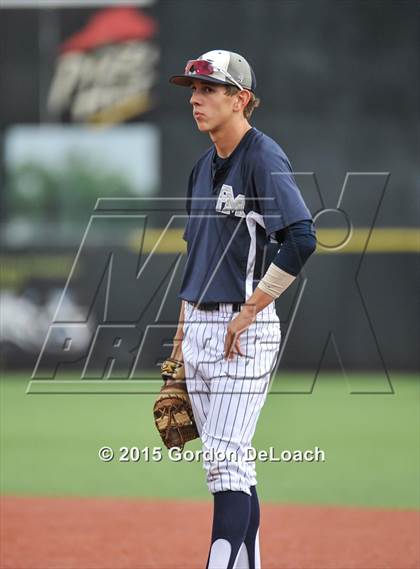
[238, 208]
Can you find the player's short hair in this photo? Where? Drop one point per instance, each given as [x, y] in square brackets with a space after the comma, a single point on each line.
[253, 103]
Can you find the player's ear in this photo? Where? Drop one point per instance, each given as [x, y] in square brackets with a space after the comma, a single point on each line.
[242, 98]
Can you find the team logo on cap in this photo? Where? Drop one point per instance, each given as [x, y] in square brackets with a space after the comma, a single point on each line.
[227, 203]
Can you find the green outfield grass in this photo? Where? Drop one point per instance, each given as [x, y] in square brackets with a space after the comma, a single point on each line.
[49, 445]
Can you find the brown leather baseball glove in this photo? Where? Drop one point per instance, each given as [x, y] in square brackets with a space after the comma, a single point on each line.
[172, 410]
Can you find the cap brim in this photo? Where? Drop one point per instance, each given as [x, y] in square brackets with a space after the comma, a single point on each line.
[186, 80]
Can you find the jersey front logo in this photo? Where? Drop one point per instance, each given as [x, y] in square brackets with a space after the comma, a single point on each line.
[227, 203]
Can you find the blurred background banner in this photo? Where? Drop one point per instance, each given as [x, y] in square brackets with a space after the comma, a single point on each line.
[106, 70]
[87, 114]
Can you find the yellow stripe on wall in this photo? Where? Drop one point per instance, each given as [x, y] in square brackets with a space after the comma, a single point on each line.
[382, 240]
[330, 241]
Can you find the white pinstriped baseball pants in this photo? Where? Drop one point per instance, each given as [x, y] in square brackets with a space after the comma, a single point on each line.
[227, 396]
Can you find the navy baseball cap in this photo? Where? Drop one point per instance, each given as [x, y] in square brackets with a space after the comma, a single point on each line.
[218, 66]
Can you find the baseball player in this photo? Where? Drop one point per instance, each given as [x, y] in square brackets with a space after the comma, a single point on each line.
[248, 235]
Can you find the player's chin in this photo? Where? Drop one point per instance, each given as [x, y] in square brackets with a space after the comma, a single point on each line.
[202, 124]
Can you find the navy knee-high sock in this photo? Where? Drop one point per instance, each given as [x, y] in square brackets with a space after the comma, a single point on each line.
[232, 510]
[254, 524]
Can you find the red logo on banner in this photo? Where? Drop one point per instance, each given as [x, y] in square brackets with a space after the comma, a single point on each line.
[105, 72]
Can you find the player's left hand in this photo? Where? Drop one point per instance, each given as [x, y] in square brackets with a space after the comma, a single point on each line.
[234, 330]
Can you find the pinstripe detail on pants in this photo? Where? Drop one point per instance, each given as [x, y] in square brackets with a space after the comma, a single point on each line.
[227, 396]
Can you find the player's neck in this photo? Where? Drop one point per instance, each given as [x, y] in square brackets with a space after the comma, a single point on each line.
[227, 137]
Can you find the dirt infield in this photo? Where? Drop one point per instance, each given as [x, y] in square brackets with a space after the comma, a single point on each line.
[67, 533]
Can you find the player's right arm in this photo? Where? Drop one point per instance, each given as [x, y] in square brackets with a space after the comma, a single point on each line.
[179, 336]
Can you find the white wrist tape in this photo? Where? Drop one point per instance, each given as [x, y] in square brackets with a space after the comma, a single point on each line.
[275, 281]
